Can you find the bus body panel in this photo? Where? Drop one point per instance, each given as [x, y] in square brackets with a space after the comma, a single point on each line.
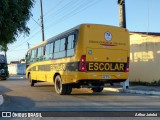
[106, 59]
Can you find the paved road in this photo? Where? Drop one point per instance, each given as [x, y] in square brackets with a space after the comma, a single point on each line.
[19, 96]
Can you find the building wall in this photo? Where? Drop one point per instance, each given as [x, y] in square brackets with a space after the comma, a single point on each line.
[17, 69]
[144, 58]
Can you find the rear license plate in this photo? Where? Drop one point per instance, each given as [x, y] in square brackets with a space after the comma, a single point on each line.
[106, 77]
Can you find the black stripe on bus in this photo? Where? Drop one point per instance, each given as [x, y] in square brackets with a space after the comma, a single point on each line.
[91, 67]
[72, 66]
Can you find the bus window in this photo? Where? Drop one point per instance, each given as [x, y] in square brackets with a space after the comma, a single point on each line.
[33, 55]
[28, 57]
[40, 54]
[49, 51]
[70, 45]
[56, 48]
[59, 49]
[62, 48]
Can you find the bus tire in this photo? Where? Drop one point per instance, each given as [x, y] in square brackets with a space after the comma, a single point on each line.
[69, 89]
[97, 89]
[32, 82]
[60, 88]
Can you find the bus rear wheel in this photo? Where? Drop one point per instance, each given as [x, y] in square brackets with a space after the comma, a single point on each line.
[60, 88]
[97, 89]
[32, 82]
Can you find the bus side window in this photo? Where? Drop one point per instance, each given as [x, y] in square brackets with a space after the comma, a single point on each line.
[28, 57]
[70, 45]
[62, 48]
[40, 54]
[56, 49]
[44, 52]
[49, 51]
[36, 56]
[59, 48]
[33, 55]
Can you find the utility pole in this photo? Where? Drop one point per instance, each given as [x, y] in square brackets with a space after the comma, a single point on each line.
[122, 13]
[28, 45]
[42, 25]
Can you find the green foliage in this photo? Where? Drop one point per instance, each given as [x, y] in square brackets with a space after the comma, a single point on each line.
[4, 48]
[14, 15]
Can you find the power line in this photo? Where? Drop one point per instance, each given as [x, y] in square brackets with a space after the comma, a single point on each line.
[58, 12]
[33, 28]
[18, 50]
[148, 26]
[27, 39]
[72, 13]
[54, 7]
[77, 8]
[35, 21]
[62, 9]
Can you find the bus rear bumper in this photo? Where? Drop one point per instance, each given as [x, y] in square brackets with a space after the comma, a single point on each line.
[95, 83]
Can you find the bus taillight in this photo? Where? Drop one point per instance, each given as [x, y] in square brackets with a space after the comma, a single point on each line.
[127, 67]
[82, 64]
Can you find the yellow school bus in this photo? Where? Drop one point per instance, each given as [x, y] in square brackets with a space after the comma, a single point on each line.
[88, 55]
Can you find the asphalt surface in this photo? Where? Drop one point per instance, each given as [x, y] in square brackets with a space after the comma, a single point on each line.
[135, 89]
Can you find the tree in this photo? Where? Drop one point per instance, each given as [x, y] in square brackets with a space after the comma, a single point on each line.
[14, 15]
[4, 48]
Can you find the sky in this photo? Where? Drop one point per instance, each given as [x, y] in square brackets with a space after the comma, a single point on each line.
[61, 15]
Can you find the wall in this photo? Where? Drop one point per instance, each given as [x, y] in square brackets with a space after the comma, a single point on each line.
[144, 58]
[17, 69]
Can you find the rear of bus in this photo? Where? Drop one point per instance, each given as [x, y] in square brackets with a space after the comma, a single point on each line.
[103, 52]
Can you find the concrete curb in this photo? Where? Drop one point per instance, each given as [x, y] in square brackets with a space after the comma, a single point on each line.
[1, 100]
[133, 91]
[143, 92]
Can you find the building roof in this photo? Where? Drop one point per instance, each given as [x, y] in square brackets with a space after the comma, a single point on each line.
[14, 62]
[147, 33]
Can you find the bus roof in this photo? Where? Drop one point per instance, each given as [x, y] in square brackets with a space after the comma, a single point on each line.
[57, 36]
[67, 32]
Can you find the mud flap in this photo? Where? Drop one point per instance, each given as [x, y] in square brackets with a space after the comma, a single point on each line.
[125, 84]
